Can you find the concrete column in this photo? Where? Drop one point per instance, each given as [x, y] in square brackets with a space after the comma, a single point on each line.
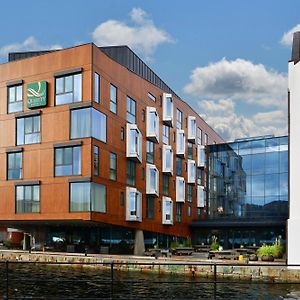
[139, 244]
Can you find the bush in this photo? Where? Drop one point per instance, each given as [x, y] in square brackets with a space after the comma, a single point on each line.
[7, 243]
[214, 246]
[276, 250]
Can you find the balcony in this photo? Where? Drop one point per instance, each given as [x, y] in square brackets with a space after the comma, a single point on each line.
[180, 142]
[133, 142]
[201, 159]
[167, 160]
[191, 171]
[152, 128]
[152, 180]
[133, 205]
[167, 211]
[180, 189]
[168, 109]
[200, 196]
[192, 129]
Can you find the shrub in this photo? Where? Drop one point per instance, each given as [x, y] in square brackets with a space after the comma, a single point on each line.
[276, 250]
[214, 246]
[7, 243]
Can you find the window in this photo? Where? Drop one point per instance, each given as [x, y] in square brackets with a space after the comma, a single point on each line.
[28, 199]
[199, 136]
[191, 171]
[179, 119]
[112, 166]
[165, 181]
[151, 97]
[150, 152]
[68, 161]
[15, 98]
[168, 109]
[14, 165]
[199, 176]
[96, 160]
[191, 128]
[167, 164]
[133, 204]
[152, 128]
[189, 193]
[152, 180]
[167, 211]
[122, 133]
[189, 211]
[180, 145]
[201, 159]
[178, 166]
[150, 204]
[180, 189]
[131, 110]
[88, 122]
[143, 115]
[96, 87]
[205, 139]
[68, 89]
[190, 151]
[130, 172]
[113, 99]
[28, 130]
[178, 212]
[166, 135]
[87, 196]
[133, 142]
[200, 196]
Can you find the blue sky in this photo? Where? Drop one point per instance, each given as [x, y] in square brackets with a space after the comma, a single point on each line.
[228, 59]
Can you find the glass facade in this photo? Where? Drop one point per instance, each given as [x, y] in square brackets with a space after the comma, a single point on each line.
[249, 179]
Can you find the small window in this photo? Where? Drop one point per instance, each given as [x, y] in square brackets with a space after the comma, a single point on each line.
[150, 204]
[166, 135]
[178, 166]
[189, 212]
[150, 152]
[27, 199]
[199, 136]
[68, 89]
[179, 119]
[96, 160]
[14, 165]
[113, 166]
[113, 98]
[205, 139]
[68, 161]
[199, 176]
[122, 133]
[143, 115]
[178, 212]
[189, 193]
[190, 151]
[131, 110]
[130, 172]
[96, 87]
[151, 97]
[166, 182]
[28, 130]
[15, 98]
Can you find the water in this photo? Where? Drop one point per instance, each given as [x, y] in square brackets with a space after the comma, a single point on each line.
[28, 281]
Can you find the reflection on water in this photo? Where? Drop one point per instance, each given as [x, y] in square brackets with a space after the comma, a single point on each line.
[27, 281]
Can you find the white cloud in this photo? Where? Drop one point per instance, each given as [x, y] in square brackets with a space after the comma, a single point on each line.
[238, 80]
[29, 44]
[143, 36]
[222, 116]
[287, 38]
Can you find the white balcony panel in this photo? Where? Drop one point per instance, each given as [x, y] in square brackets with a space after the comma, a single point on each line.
[152, 180]
[133, 142]
[152, 126]
[201, 159]
[133, 205]
[180, 189]
[200, 196]
[192, 129]
[167, 211]
[168, 109]
[191, 171]
[167, 160]
[180, 142]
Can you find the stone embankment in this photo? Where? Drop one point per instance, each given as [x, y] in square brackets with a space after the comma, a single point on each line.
[189, 266]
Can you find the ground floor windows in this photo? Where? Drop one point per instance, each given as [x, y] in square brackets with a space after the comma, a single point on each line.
[28, 199]
[87, 196]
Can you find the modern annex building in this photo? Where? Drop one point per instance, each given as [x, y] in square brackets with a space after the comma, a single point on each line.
[94, 146]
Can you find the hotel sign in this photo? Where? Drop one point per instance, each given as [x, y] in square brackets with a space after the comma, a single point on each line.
[37, 94]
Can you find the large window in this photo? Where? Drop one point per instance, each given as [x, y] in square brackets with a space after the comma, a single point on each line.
[14, 165]
[88, 122]
[179, 119]
[150, 152]
[150, 204]
[96, 87]
[68, 161]
[68, 89]
[87, 196]
[131, 110]
[166, 135]
[15, 98]
[28, 199]
[113, 99]
[113, 166]
[130, 172]
[28, 130]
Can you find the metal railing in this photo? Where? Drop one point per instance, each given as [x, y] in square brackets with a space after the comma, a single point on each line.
[20, 277]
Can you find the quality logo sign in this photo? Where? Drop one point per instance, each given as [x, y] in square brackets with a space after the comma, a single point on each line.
[37, 94]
